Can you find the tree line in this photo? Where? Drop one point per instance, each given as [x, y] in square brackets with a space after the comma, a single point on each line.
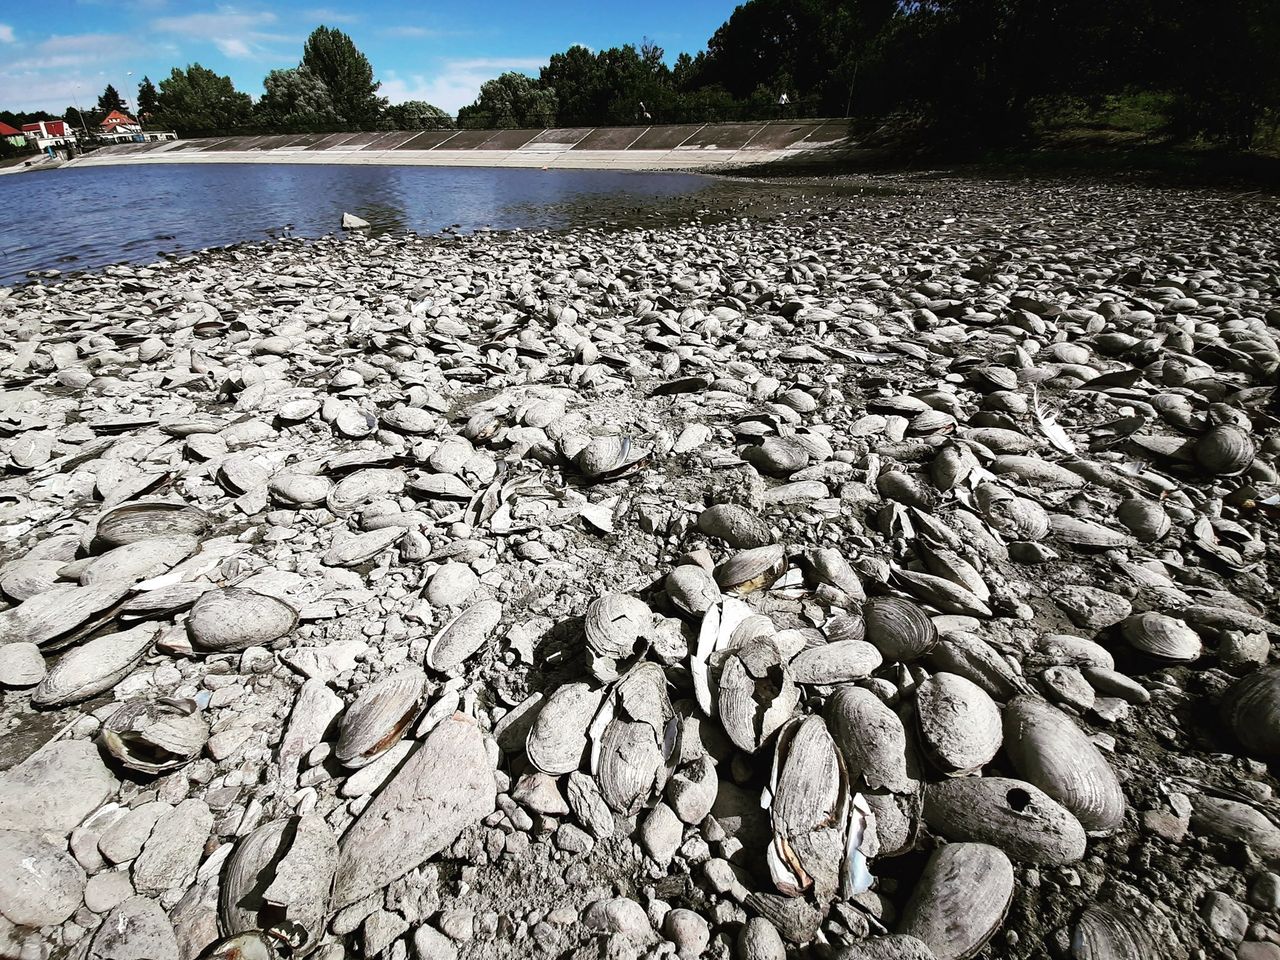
[979, 69]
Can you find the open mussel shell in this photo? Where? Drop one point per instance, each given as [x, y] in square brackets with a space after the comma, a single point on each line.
[959, 723]
[235, 618]
[634, 756]
[960, 900]
[1019, 818]
[462, 636]
[870, 737]
[1104, 931]
[379, 717]
[96, 666]
[1047, 749]
[756, 693]
[1163, 637]
[279, 873]
[735, 525]
[557, 740]
[749, 570]
[148, 519]
[899, 628]
[609, 457]
[1251, 709]
[155, 736]
[1225, 451]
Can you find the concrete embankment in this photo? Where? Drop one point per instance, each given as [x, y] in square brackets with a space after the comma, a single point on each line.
[676, 147]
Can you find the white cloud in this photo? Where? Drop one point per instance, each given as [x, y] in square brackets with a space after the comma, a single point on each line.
[456, 84]
[409, 31]
[235, 32]
[327, 15]
[233, 47]
[6, 33]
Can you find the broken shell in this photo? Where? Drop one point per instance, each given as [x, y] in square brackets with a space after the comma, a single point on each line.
[1163, 637]
[808, 811]
[735, 525]
[750, 570]
[379, 717]
[1104, 931]
[557, 741]
[148, 519]
[959, 723]
[236, 618]
[152, 737]
[1225, 451]
[1251, 709]
[94, 667]
[899, 628]
[637, 750]
[1047, 748]
[870, 737]
[1019, 818]
[614, 624]
[462, 636]
[757, 693]
[960, 900]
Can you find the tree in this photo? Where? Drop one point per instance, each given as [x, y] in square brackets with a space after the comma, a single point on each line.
[148, 99]
[110, 100]
[415, 115]
[197, 99]
[512, 100]
[578, 80]
[331, 56]
[296, 98]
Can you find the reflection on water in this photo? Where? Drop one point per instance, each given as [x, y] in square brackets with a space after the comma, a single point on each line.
[86, 217]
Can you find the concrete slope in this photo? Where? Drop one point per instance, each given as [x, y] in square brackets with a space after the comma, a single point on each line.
[673, 147]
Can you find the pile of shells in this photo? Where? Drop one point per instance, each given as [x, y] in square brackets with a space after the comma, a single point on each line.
[899, 578]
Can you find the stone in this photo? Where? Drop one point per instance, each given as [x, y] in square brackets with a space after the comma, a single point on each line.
[39, 883]
[618, 915]
[124, 839]
[1225, 918]
[1264, 891]
[1258, 950]
[21, 664]
[55, 788]
[688, 931]
[174, 849]
[135, 930]
[430, 944]
[661, 833]
[380, 929]
[759, 940]
[107, 890]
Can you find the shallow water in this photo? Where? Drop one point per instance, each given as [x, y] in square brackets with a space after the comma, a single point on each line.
[71, 219]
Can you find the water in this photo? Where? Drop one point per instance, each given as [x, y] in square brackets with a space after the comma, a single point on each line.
[73, 219]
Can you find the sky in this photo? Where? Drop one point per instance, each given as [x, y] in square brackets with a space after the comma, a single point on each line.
[60, 51]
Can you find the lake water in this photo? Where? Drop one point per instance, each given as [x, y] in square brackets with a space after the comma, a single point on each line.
[72, 219]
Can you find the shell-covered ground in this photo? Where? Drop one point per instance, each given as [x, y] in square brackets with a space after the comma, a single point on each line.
[886, 570]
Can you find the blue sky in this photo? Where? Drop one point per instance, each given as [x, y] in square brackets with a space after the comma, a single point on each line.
[55, 52]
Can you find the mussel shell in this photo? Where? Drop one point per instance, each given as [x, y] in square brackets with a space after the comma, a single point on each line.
[94, 667]
[557, 739]
[1047, 748]
[155, 736]
[899, 628]
[1104, 931]
[462, 636]
[735, 525]
[750, 570]
[54, 616]
[1164, 637]
[959, 723]
[300, 489]
[1225, 450]
[614, 623]
[1251, 709]
[236, 618]
[1085, 533]
[362, 486]
[960, 900]
[610, 456]
[870, 737]
[146, 519]
[1019, 818]
[24, 579]
[692, 589]
[837, 662]
[1146, 519]
[753, 706]
[140, 559]
[379, 717]
[808, 811]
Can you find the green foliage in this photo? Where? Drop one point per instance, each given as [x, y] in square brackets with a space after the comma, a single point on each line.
[415, 115]
[511, 100]
[332, 57]
[295, 98]
[110, 100]
[148, 99]
[199, 99]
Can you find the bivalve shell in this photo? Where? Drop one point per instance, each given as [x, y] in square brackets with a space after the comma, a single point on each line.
[750, 570]
[735, 525]
[960, 900]
[899, 628]
[1047, 748]
[155, 736]
[236, 618]
[147, 519]
[1147, 520]
[379, 717]
[692, 589]
[1251, 708]
[837, 662]
[557, 740]
[640, 745]
[1164, 637]
[808, 811]
[1104, 931]
[870, 737]
[959, 723]
[1019, 818]
[462, 636]
[94, 667]
[1225, 451]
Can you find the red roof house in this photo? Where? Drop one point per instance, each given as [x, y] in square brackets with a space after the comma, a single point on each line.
[8, 131]
[47, 128]
[116, 121]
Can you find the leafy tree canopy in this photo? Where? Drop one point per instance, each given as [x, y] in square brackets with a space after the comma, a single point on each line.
[199, 99]
[332, 57]
[511, 100]
[296, 98]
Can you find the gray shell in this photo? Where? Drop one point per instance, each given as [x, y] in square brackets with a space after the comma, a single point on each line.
[154, 737]
[1020, 819]
[1047, 748]
[808, 811]
[557, 739]
[236, 618]
[959, 723]
[736, 525]
[837, 662]
[692, 589]
[1104, 931]
[1164, 637]
[378, 718]
[960, 900]
[1251, 709]
[1146, 519]
[871, 738]
[633, 769]
[147, 519]
[462, 636]
[94, 667]
[757, 693]
[899, 628]
[750, 570]
[1225, 451]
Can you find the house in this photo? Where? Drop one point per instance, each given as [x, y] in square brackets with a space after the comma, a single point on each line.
[117, 127]
[49, 135]
[11, 136]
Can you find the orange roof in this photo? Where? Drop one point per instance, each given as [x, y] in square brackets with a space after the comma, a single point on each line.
[115, 118]
[8, 131]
